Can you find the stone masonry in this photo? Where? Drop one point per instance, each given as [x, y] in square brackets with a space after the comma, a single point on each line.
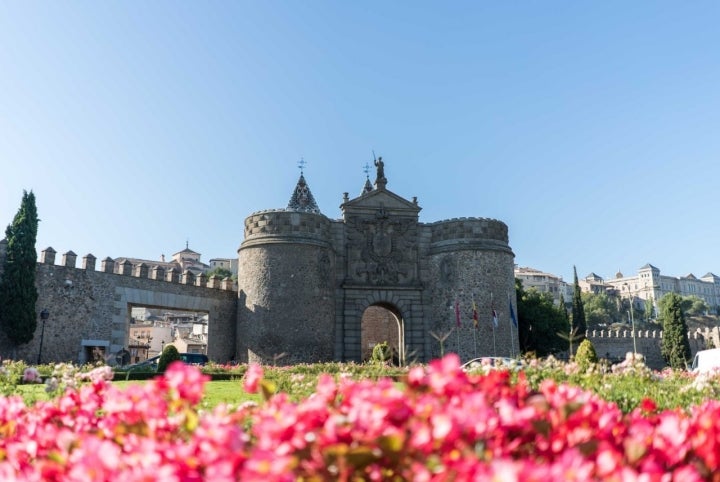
[90, 310]
[305, 281]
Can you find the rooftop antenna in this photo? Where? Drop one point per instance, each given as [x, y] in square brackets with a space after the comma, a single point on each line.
[301, 165]
[187, 244]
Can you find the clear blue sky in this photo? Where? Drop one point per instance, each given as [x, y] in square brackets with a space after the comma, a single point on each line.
[590, 128]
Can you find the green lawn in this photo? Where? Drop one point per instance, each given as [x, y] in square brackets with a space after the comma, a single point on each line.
[228, 392]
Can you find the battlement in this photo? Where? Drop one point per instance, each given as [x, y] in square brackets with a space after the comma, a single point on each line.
[468, 228]
[468, 234]
[292, 224]
[653, 334]
[139, 270]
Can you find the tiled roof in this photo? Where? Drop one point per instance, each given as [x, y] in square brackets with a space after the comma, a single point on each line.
[302, 199]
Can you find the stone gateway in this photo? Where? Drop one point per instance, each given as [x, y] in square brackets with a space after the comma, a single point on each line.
[305, 281]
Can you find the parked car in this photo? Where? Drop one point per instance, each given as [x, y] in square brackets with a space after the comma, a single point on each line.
[151, 364]
[492, 363]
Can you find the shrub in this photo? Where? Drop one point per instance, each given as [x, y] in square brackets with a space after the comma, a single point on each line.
[585, 355]
[381, 353]
[169, 355]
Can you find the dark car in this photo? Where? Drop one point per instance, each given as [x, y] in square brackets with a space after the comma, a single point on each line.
[151, 364]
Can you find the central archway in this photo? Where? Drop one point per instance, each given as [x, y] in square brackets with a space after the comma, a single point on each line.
[382, 323]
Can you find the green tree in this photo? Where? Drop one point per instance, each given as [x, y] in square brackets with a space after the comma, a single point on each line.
[690, 305]
[650, 313]
[600, 310]
[169, 355]
[675, 347]
[221, 273]
[578, 311]
[694, 306]
[18, 294]
[539, 321]
[586, 355]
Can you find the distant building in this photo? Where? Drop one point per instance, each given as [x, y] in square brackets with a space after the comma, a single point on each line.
[649, 284]
[187, 259]
[544, 283]
[225, 263]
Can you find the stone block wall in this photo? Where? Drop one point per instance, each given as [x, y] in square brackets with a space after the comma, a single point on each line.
[469, 260]
[286, 282]
[91, 308]
[616, 344]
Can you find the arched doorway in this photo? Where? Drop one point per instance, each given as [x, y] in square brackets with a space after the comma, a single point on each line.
[382, 323]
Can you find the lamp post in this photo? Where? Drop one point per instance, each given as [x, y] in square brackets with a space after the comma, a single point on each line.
[44, 315]
[632, 321]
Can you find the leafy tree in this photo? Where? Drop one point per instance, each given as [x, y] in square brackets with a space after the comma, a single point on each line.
[18, 294]
[650, 309]
[578, 311]
[694, 305]
[675, 347]
[600, 309]
[169, 355]
[690, 305]
[221, 273]
[539, 321]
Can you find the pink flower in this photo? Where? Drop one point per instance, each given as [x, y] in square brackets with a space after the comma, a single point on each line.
[253, 375]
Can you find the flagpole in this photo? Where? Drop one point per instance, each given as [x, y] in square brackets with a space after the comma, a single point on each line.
[512, 337]
[475, 342]
[513, 321]
[458, 342]
[492, 307]
[475, 325]
[457, 323]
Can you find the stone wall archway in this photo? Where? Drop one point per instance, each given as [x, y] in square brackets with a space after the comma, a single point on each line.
[381, 323]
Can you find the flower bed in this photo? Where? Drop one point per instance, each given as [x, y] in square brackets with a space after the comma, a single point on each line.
[439, 424]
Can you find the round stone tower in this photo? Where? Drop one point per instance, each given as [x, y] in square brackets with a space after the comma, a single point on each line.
[286, 307]
[471, 263]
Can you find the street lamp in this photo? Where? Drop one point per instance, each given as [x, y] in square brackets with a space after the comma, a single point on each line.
[44, 315]
[632, 321]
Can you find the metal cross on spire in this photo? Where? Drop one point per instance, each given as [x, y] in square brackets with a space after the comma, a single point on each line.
[301, 164]
[366, 170]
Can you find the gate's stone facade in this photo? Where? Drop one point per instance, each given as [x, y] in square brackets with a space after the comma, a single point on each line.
[304, 280]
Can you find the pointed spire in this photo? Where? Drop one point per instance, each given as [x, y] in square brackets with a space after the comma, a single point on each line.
[302, 199]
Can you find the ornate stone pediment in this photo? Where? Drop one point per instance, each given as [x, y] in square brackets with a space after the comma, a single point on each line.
[380, 198]
[381, 230]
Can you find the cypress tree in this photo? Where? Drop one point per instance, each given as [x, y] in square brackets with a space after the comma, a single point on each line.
[18, 293]
[675, 347]
[579, 326]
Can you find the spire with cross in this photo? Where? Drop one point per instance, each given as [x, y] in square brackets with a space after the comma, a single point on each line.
[302, 199]
[368, 186]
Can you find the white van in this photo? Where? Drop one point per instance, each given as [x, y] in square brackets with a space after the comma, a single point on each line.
[706, 360]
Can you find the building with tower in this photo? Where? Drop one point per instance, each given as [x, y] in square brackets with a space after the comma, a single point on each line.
[309, 288]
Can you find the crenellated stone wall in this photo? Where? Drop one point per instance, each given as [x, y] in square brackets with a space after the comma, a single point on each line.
[90, 309]
[306, 283]
[615, 344]
[286, 284]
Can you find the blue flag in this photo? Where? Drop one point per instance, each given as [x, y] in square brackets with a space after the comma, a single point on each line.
[512, 314]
